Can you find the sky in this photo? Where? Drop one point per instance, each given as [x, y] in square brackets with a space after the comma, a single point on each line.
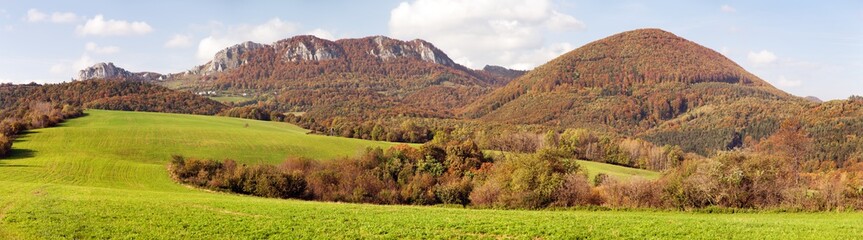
[807, 48]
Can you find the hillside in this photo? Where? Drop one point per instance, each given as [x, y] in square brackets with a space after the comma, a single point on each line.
[354, 78]
[646, 83]
[107, 171]
[633, 82]
[113, 94]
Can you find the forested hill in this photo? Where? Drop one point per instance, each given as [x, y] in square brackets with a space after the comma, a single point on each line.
[354, 78]
[112, 94]
[648, 83]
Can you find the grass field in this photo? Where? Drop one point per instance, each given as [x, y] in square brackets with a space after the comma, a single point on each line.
[230, 99]
[103, 176]
[614, 171]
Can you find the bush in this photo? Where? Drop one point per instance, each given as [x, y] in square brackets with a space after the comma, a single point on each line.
[633, 194]
[455, 192]
[575, 191]
[5, 145]
[457, 172]
[261, 180]
[523, 181]
[601, 179]
[487, 194]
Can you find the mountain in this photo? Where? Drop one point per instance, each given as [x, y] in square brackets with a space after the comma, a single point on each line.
[359, 78]
[108, 71]
[648, 83]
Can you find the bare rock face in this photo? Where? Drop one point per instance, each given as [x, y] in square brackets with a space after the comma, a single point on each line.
[108, 70]
[430, 53]
[103, 70]
[294, 49]
[228, 58]
[308, 48]
[388, 48]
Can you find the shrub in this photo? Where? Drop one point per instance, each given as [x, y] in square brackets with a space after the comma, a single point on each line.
[457, 192]
[575, 191]
[523, 181]
[633, 194]
[457, 172]
[600, 179]
[5, 145]
[260, 180]
[487, 194]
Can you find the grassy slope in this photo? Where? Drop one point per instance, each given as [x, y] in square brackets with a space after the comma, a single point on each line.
[615, 171]
[594, 168]
[231, 99]
[104, 176]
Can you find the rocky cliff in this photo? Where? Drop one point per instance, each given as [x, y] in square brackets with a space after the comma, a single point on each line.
[108, 70]
[310, 48]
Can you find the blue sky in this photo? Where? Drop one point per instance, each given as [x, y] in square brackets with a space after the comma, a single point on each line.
[805, 48]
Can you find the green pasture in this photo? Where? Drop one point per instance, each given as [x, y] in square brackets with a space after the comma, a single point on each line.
[103, 176]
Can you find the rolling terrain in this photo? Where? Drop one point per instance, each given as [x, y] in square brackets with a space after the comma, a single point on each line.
[103, 175]
[358, 78]
[647, 83]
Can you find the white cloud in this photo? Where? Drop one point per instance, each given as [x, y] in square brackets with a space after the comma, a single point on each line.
[222, 37]
[72, 68]
[784, 82]
[527, 60]
[320, 33]
[727, 9]
[101, 27]
[504, 32]
[93, 47]
[83, 62]
[563, 22]
[34, 15]
[762, 57]
[179, 41]
[66, 17]
[60, 68]
[209, 46]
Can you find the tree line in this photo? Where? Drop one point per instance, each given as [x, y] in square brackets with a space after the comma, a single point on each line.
[455, 171]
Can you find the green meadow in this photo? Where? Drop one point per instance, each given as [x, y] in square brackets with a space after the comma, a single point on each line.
[615, 171]
[230, 99]
[104, 176]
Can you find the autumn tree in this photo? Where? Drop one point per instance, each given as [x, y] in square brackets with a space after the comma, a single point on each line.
[790, 142]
